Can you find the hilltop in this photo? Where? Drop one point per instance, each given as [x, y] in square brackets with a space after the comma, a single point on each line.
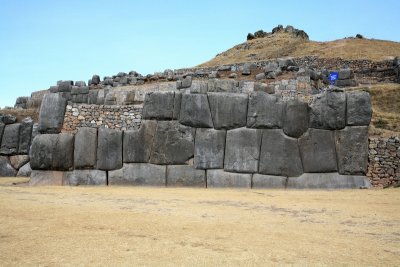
[284, 42]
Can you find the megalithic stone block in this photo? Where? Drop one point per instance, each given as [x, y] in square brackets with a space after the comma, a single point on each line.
[265, 111]
[280, 154]
[141, 174]
[85, 177]
[52, 152]
[242, 150]
[229, 110]
[220, 178]
[209, 149]
[109, 149]
[6, 169]
[195, 111]
[318, 152]
[184, 175]
[158, 105]
[328, 181]
[137, 144]
[177, 105]
[25, 136]
[52, 111]
[269, 181]
[85, 148]
[173, 143]
[10, 140]
[352, 150]
[46, 178]
[296, 118]
[359, 110]
[328, 111]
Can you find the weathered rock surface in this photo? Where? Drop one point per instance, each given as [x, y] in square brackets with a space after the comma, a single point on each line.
[25, 171]
[2, 126]
[177, 105]
[229, 110]
[328, 111]
[6, 169]
[25, 135]
[173, 143]
[184, 175]
[109, 149]
[220, 178]
[137, 144]
[85, 177]
[296, 118]
[242, 150]
[52, 152]
[209, 149]
[85, 148]
[44, 178]
[10, 140]
[142, 174]
[318, 152]
[327, 181]
[352, 149]
[195, 111]
[52, 111]
[158, 105]
[216, 85]
[269, 181]
[264, 111]
[280, 154]
[359, 110]
[18, 160]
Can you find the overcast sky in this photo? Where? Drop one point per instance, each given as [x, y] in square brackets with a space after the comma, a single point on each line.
[45, 41]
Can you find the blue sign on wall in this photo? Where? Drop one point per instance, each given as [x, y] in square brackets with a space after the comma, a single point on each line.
[333, 76]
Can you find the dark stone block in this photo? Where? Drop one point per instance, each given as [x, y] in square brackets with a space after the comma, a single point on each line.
[10, 140]
[265, 111]
[184, 175]
[138, 143]
[296, 118]
[85, 148]
[195, 111]
[109, 149]
[209, 149]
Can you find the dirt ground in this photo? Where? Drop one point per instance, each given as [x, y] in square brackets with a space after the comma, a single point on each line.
[121, 226]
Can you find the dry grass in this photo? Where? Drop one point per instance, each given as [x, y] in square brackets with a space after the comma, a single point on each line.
[283, 45]
[75, 226]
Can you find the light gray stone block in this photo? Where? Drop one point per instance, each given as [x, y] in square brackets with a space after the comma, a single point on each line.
[229, 86]
[280, 154]
[328, 111]
[137, 144]
[327, 181]
[359, 110]
[85, 177]
[264, 111]
[109, 149]
[220, 178]
[85, 151]
[209, 149]
[25, 171]
[242, 150]
[269, 181]
[195, 111]
[46, 178]
[184, 175]
[177, 105]
[142, 174]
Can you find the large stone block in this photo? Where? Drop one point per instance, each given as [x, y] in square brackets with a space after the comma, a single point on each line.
[85, 177]
[46, 178]
[296, 118]
[6, 169]
[220, 178]
[109, 149]
[25, 171]
[52, 111]
[264, 111]
[209, 149]
[280, 154]
[216, 85]
[352, 150]
[52, 152]
[85, 148]
[10, 140]
[25, 135]
[228, 110]
[177, 105]
[137, 144]
[143, 174]
[328, 111]
[18, 161]
[199, 87]
[242, 150]
[92, 97]
[359, 110]
[317, 149]
[327, 181]
[345, 74]
[195, 111]
[158, 105]
[184, 175]
[173, 143]
[269, 181]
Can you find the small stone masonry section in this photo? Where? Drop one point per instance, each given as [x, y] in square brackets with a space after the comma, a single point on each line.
[219, 139]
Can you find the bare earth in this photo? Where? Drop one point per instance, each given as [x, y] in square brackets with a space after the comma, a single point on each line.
[87, 226]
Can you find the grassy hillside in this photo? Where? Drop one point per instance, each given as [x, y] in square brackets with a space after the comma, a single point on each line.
[283, 45]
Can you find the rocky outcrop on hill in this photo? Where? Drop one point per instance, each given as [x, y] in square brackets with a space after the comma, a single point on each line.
[279, 29]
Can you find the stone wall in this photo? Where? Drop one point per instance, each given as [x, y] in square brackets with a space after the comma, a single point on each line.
[384, 161]
[113, 117]
[214, 138]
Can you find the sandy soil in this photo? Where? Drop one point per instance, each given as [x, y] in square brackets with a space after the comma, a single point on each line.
[87, 226]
